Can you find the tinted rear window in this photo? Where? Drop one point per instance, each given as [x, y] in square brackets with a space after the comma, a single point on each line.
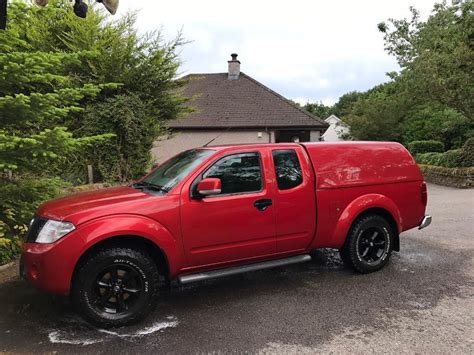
[287, 169]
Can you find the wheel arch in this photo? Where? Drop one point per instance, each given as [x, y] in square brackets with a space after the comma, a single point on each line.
[158, 255]
[364, 205]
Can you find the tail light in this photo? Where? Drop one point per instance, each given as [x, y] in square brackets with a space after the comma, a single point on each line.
[424, 193]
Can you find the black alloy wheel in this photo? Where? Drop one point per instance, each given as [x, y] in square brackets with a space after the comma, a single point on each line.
[369, 244]
[117, 289]
[116, 286]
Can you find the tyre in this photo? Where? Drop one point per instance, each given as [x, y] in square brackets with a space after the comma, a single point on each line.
[116, 287]
[368, 245]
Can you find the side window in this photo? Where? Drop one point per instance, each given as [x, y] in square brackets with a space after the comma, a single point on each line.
[287, 169]
[238, 173]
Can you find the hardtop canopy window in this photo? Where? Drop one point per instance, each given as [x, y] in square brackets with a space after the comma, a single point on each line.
[239, 173]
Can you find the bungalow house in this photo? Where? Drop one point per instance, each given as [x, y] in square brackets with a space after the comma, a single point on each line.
[336, 131]
[232, 108]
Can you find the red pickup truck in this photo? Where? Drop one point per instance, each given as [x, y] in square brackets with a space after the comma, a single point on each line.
[218, 211]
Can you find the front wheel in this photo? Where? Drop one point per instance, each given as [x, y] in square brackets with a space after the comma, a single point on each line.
[369, 244]
[116, 286]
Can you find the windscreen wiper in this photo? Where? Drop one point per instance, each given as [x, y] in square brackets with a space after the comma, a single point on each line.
[150, 186]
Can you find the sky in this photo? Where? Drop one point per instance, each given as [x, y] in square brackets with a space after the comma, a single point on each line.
[308, 51]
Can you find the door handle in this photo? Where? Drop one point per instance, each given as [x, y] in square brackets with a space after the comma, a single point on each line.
[262, 204]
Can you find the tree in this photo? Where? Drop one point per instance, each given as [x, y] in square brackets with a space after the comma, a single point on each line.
[36, 97]
[143, 67]
[378, 114]
[341, 108]
[344, 105]
[318, 109]
[432, 95]
[437, 56]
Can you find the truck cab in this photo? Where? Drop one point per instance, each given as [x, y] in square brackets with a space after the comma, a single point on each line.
[217, 211]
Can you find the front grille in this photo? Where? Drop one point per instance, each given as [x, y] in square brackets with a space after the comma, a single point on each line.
[34, 229]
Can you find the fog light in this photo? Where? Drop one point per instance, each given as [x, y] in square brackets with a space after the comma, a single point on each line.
[34, 273]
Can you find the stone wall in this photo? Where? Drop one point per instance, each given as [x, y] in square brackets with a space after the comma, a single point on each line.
[454, 177]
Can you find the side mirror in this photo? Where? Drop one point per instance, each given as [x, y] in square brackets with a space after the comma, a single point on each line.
[209, 186]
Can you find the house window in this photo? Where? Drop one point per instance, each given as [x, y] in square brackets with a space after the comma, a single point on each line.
[239, 173]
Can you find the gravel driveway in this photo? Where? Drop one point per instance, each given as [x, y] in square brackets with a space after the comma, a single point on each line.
[421, 302]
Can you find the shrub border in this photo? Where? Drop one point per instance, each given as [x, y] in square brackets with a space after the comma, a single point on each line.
[461, 178]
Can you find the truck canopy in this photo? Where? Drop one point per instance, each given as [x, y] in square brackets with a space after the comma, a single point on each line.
[347, 164]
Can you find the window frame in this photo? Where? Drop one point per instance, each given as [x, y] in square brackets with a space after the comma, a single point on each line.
[197, 180]
[275, 168]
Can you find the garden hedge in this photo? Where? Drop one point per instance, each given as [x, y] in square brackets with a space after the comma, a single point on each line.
[449, 159]
[454, 177]
[467, 154]
[429, 146]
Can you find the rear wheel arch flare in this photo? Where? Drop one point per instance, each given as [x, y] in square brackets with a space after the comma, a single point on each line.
[157, 253]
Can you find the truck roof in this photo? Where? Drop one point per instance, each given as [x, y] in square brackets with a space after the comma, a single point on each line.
[351, 163]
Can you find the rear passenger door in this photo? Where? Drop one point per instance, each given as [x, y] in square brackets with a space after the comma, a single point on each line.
[295, 199]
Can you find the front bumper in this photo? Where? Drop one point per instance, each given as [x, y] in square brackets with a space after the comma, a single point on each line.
[49, 267]
[425, 222]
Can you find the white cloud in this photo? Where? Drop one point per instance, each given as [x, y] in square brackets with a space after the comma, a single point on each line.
[304, 48]
[301, 100]
[328, 101]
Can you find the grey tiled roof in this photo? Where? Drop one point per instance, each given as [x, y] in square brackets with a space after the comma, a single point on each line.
[242, 103]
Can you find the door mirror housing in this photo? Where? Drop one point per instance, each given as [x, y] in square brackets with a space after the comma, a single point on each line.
[209, 187]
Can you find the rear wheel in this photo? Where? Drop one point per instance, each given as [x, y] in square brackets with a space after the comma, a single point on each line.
[116, 286]
[369, 244]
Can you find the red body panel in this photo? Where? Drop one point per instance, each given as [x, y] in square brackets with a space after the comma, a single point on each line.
[340, 181]
[295, 210]
[352, 177]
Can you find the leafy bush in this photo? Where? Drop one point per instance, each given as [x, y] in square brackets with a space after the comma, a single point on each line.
[449, 159]
[455, 177]
[20, 198]
[9, 249]
[126, 156]
[429, 158]
[429, 146]
[467, 153]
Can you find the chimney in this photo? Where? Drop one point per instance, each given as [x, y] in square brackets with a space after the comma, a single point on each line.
[234, 67]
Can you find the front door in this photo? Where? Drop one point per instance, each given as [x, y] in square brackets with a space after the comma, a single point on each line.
[231, 225]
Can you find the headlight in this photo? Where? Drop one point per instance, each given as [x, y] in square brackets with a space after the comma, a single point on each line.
[54, 230]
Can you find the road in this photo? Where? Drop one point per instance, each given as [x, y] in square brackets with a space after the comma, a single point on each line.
[421, 302]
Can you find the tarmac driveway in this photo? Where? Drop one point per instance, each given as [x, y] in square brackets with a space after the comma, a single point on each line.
[421, 302]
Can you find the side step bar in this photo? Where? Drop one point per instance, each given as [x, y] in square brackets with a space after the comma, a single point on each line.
[241, 269]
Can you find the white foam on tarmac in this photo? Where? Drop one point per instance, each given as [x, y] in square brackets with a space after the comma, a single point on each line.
[155, 327]
[72, 338]
[58, 337]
